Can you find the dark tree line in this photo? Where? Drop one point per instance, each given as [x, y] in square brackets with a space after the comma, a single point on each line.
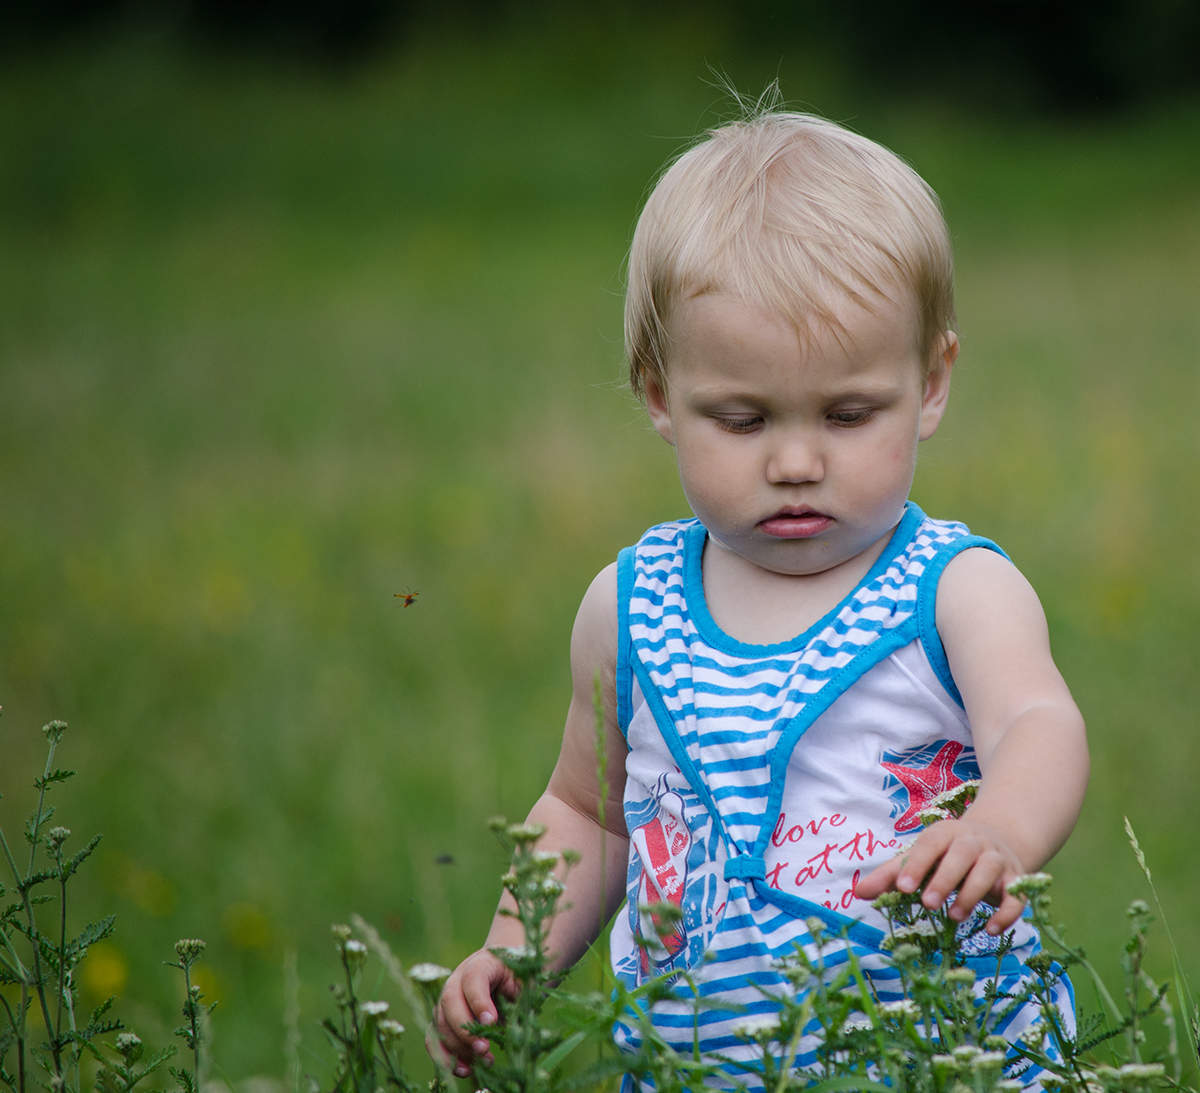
[1074, 56]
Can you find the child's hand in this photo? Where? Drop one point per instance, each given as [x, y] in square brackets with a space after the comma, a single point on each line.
[469, 996]
[954, 854]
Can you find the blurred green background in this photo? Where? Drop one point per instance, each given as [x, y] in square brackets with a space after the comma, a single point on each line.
[299, 313]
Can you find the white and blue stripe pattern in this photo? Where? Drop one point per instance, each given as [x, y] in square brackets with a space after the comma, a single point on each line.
[730, 717]
[736, 712]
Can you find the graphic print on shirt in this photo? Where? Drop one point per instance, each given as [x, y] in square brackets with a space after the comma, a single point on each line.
[913, 778]
[664, 867]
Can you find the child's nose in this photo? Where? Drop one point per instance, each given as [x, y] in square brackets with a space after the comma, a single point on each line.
[796, 456]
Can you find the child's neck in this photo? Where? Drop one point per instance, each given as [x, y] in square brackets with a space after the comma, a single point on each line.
[759, 607]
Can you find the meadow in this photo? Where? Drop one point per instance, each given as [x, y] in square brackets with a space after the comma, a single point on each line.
[279, 344]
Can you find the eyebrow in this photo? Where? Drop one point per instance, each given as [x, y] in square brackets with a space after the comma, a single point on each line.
[717, 392]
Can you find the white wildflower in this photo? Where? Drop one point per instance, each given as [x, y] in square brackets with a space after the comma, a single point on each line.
[987, 1060]
[428, 973]
[374, 1009]
[922, 928]
[901, 1008]
[960, 976]
[1030, 884]
[956, 798]
[525, 833]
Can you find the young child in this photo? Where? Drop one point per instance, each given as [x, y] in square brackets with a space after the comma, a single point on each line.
[791, 675]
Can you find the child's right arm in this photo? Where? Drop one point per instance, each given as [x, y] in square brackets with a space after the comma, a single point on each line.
[570, 810]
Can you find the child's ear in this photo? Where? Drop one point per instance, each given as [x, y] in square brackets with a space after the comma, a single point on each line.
[937, 384]
[659, 411]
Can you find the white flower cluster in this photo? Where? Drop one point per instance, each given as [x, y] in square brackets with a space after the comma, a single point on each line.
[428, 973]
[1030, 884]
[922, 928]
[900, 1009]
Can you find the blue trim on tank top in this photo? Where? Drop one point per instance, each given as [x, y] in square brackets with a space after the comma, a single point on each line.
[624, 669]
[666, 727]
[695, 536]
[927, 586]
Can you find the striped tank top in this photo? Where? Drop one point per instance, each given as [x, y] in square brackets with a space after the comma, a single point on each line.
[762, 780]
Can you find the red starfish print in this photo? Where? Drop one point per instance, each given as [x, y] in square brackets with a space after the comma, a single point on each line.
[925, 783]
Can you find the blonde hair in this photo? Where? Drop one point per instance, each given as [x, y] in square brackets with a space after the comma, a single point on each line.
[793, 213]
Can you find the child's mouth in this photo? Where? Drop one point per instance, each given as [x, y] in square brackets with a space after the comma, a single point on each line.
[795, 524]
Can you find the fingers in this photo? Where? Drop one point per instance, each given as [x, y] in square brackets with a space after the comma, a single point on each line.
[953, 856]
[881, 879]
[467, 999]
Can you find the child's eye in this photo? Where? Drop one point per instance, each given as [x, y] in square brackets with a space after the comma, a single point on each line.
[738, 424]
[848, 419]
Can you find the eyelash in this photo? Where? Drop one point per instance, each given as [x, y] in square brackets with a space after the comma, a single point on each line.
[849, 419]
[844, 419]
[738, 424]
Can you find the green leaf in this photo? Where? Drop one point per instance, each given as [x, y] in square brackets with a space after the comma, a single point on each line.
[35, 823]
[51, 778]
[555, 1057]
[35, 879]
[850, 1082]
[90, 934]
[73, 863]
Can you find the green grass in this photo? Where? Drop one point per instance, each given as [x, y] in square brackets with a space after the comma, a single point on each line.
[278, 346]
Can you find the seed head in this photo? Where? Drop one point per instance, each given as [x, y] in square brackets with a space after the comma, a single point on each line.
[129, 1045]
[889, 900]
[1040, 963]
[189, 948]
[960, 976]
[904, 952]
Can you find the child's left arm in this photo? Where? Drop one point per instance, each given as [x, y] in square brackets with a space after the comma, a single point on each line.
[1029, 739]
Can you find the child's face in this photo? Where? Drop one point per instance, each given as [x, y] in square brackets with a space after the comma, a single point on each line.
[797, 454]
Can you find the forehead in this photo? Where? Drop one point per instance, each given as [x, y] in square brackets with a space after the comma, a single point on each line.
[724, 337]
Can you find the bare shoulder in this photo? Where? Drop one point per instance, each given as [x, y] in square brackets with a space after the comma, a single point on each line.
[594, 636]
[575, 780]
[997, 643]
[981, 588]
